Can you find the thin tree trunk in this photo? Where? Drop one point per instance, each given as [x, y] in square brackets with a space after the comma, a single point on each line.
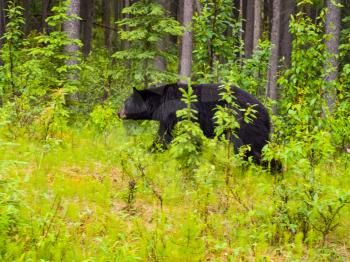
[249, 28]
[2, 24]
[198, 7]
[268, 16]
[72, 28]
[186, 50]
[332, 64]
[180, 19]
[46, 6]
[180, 11]
[238, 14]
[257, 24]
[212, 56]
[126, 44]
[106, 18]
[26, 13]
[160, 62]
[174, 5]
[116, 14]
[288, 8]
[273, 61]
[86, 11]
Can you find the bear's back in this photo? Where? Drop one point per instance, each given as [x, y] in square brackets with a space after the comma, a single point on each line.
[208, 93]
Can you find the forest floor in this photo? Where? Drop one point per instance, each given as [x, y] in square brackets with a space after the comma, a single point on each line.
[79, 200]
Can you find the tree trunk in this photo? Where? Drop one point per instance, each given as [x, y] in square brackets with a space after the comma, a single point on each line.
[86, 13]
[198, 7]
[257, 24]
[126, 44]
[46, 6]
[288, 8]
[2, 24]
[249, 28]
[273, 61]
[212, 56]
[332, 64]
[180, 11]
[160, 62]
[311, 11]
[116, 14]
[186, 47]
[237, 14]
[106, 18]
[26, 13]
[72, 28]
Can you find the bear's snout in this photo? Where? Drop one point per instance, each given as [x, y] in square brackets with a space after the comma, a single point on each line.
[122, 114]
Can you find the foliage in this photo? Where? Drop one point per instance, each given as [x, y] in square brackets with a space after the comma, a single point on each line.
[303, 84]
[339, 126]
[304, 117]
[102, 118]
[216, 37]
[189, 138]
[41, 83]
[69, 202]
[226, 116]
[147, 27]
[102, 80]
[306, 137]
[11, 51]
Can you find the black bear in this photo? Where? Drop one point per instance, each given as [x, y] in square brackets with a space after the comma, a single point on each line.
[161, 104]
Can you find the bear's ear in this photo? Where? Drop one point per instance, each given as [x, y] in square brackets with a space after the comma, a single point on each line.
[138, 93]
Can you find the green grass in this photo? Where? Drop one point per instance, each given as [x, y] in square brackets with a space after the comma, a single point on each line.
[95, 198]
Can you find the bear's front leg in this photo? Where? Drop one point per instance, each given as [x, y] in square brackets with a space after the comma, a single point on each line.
[165, 134]
[237, 143]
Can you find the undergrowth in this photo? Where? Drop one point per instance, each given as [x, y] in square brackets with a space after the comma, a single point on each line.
[101, 197]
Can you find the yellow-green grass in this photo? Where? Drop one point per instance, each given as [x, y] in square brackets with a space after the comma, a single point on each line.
[76, 202]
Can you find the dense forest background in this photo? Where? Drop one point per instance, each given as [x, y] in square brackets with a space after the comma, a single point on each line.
[79, 184]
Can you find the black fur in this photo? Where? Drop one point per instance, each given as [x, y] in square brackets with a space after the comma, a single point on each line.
[161, 104]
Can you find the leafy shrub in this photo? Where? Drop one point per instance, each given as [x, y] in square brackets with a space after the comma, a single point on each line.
[148, 25]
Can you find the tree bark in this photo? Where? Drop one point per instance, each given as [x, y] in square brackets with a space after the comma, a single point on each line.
[287, 9]
[249, 28]
[257, 24]
[180, 11]
[332, 44]
[311, 11]
[198, 7]
[126, 44]
[186, 47]
[2, 24]
[116, 14]
[26, 13]
[106, 18]
[213, 21]
[160, 62]
[268, 16]
[72, 28]
[237, 13]
[86, 13]
[46, 6]
[273, 61]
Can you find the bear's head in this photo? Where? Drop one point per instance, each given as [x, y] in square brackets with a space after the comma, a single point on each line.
[140, 105]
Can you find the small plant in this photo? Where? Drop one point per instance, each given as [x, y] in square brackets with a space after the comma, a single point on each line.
[102, 119]
[226, 116]
[229, 118]
[189, 137]
[11, 52]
